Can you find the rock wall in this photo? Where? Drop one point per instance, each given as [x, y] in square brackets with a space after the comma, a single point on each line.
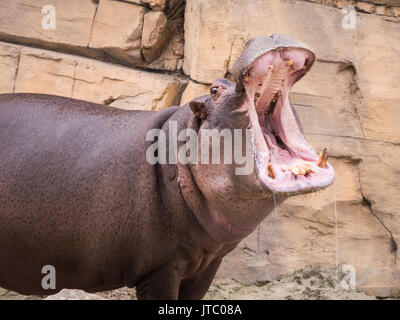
[117, 36]
[151, 54]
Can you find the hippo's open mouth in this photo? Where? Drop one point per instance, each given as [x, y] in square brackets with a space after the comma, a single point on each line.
[286, 163]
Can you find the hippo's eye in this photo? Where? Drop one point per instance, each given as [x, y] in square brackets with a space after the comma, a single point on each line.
[214, 90]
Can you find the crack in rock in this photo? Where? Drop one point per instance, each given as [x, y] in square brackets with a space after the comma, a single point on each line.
[368, 203]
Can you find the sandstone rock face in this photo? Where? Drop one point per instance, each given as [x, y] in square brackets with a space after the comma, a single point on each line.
[168, 54]
[132, 1]
[383, 7]
[365, 7]
[73, 22]
[9, 56]
[385, 2]
[154, 28]
[156, 4]
[42, 71]
[349, 103]
[126, 88]
[117, 30]
[108, 30]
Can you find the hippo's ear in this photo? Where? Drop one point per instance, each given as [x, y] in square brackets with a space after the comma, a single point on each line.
[198, 107]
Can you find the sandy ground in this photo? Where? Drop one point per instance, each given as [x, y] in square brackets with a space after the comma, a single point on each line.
[310, 283]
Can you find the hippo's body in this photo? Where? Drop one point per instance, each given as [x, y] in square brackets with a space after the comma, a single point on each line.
[78, 193]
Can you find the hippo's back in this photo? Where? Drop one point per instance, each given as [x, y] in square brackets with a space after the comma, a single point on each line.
[69, 173]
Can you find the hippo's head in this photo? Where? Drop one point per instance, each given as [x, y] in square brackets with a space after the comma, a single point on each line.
[284, 163]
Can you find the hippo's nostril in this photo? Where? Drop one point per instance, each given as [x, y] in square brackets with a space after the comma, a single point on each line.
[323, 158]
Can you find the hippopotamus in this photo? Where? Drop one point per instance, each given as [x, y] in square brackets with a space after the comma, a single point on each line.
[78, 193]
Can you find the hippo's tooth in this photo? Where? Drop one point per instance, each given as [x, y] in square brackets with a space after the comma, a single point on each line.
[294, 170]
[271, 171]
[306, 167]
[289, 62]
[302, 172]
[323, 158]
[310, 170]
[284, 167]
[270, 67]
[303, 166]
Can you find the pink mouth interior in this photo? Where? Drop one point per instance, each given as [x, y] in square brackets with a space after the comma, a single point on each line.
[282, 147]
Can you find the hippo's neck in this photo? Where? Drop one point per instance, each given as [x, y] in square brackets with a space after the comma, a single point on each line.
[227, 222]
[217, 222]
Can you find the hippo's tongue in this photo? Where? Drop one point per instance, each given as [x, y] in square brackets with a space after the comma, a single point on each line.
[287, 163]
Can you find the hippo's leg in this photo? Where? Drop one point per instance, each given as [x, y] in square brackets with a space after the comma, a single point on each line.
[162, 283]
[195, 288]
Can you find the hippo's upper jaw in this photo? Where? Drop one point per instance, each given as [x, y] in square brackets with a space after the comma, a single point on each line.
[266, 71]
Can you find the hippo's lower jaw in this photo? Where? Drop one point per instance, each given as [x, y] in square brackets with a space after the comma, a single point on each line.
[286, 163]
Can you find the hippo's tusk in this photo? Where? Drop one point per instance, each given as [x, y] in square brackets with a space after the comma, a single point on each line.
[323, 158]
[289, 62]
[271, 171]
